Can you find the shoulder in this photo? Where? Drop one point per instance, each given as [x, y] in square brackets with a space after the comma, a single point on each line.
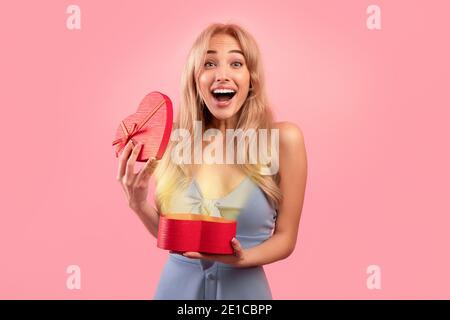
[290, 134]
[292, 150]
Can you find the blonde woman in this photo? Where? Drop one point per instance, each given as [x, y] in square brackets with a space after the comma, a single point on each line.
[223, 88]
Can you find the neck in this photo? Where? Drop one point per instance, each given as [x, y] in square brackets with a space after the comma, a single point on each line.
[222, 125]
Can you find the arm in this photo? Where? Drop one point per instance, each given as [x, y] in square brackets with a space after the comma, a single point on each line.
[293, 174]
[135, 186]
[149, 217]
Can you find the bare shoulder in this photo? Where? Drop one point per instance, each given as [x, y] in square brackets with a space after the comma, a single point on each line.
[290, 134]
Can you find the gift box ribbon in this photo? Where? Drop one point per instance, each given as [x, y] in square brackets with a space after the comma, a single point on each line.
[134, 129]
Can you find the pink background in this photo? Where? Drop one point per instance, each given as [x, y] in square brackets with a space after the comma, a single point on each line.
[373, 106]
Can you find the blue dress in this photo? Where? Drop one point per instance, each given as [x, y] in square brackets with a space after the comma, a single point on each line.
[199, 279]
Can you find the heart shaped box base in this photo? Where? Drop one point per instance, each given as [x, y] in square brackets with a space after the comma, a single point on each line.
[196, 232]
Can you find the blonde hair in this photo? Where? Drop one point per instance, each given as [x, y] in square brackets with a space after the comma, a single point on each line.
[254, 114]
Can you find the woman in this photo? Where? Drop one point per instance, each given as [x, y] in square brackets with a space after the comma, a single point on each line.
[223, 87]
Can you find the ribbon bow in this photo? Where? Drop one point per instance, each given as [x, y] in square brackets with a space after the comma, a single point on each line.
[209, 207]
[127, 135]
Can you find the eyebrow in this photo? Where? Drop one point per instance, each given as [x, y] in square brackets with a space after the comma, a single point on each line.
[231, 51]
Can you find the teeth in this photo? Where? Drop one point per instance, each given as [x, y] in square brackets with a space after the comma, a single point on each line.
[224, 91]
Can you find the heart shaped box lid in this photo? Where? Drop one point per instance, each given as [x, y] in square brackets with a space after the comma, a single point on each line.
[151, 124]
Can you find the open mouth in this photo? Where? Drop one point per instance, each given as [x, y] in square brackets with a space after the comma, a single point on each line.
[223, 94]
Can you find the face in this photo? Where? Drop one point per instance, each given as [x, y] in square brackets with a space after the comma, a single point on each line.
[224, 79]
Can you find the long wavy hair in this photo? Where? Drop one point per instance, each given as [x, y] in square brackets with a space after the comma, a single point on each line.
[254, 114]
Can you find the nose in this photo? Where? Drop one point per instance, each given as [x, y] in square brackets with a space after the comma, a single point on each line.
[222, 74]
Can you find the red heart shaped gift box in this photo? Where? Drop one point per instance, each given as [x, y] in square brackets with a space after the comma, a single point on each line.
[196, 232]
[151, 125]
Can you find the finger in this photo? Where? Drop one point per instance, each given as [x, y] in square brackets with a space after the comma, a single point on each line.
[125, 189]
[211, 257]
[147, 170]
[198, 255]
[123, 159]
[129, 171]
[237, 247]
[193, 255]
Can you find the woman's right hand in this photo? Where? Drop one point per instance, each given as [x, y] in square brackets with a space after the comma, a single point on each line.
[135, 185]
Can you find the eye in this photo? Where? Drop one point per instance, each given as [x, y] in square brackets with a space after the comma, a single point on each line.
[207, 64]
[237, 62]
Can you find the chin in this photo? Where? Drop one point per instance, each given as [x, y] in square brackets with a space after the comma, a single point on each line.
[223, 114]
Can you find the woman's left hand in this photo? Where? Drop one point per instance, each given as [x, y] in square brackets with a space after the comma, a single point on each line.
[237, 259]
